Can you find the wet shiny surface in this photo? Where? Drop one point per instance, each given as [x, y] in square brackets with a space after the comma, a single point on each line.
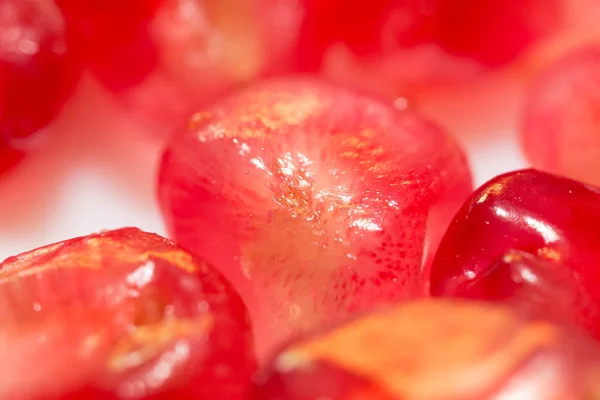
[436, 349]
[122, 314]
[316, 202]
[556, 220]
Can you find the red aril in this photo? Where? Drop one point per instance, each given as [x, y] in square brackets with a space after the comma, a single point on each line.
[436, 350]
[397, 46]
[163, 57]
[562, 117]
[315, 201]
[37, 70]
[528, 237]
[122, 314]
[112, 37]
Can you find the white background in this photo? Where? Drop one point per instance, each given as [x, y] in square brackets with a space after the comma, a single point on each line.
[97, 168]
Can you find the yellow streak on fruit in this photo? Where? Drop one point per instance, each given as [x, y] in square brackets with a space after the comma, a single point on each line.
[199, 118]
[149, 341]
[496, 189]
[95, 253]
[426, 350]
[289, 109]
[259, 113]
[549, 254]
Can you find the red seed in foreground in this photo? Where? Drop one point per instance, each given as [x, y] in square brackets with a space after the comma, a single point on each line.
[526, 236]
[314, 201]
[562, 117]
[436, 350]
[122, 314]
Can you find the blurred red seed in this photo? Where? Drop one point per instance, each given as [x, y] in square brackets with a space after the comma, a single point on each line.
[113, 38]
[38, 71]
[398, 46]
[562, 117]
[163, 57]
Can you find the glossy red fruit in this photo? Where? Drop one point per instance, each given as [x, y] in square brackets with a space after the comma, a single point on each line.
[553, 219]
[122, 314]
[436, 350]
[164, 57]
[314, 200]
[561, 117]
[37, 70]
[391, 45]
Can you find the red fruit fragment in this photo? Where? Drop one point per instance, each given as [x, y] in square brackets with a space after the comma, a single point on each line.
[393, 45]
[313, 200]
[553, 219]
[562, 117]
[122, 314]
[446, 350]
[165, 56]
[37, 70]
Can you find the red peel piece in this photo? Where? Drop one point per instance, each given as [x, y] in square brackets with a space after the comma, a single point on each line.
[314, 201]
[553, 219]
[122, 314]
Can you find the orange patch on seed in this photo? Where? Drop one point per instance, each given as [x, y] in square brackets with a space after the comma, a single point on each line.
[404, 353]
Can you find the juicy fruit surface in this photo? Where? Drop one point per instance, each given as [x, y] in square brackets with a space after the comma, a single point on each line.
[164, 56]
[121, 314]
[562, 117]
[393, 45]
[530, 235]
[37, 70]
[314, 201]
[435, 349]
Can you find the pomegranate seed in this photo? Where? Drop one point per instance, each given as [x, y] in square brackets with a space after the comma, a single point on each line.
[434, 350]
[562, 116]
[113, 37]
[165, 56]
[395, 46]
[313, 200]
[554, 220]
[122, 314]
[37, 70]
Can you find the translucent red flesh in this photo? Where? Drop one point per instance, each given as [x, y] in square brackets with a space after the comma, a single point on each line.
[553, 220]
[315, 201]
[122, 314]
